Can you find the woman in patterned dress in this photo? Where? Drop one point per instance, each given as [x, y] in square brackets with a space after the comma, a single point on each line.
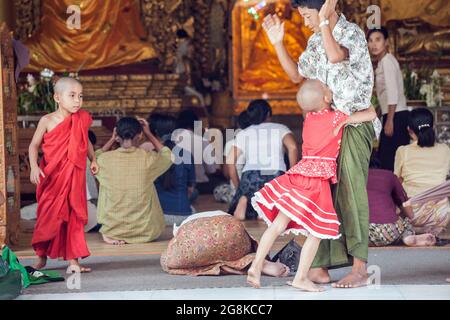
[214, 243]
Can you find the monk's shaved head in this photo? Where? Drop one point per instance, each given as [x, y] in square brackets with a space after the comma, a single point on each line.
[68, 94]
[65, 83]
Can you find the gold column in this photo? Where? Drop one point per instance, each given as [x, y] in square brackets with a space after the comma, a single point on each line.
[7, 13]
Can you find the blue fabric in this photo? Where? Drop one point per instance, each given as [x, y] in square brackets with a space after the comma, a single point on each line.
[175, 201]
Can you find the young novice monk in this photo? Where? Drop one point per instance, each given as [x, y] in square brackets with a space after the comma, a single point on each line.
[300, 200]
[61, 177]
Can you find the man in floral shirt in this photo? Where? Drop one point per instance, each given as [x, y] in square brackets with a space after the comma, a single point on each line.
[337, 55]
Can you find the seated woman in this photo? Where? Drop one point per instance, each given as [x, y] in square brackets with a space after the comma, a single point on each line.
[128, 206]
[262, 144]
[386, 227]
[213, 243]
[423, 165]
[176, 185]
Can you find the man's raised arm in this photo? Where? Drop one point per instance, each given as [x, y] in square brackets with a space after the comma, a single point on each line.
[275, 31]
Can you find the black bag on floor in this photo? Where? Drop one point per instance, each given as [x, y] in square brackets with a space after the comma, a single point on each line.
[289, 255]
[10, 281]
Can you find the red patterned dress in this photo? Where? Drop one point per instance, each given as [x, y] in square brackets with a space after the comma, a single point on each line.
[303, 193]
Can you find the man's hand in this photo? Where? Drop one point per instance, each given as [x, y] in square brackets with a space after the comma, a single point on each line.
[274, 29]
[94, 167]
[328, 8]
[389, 128]
[35, 175]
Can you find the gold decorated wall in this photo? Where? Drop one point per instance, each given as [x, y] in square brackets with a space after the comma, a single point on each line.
[110, 34]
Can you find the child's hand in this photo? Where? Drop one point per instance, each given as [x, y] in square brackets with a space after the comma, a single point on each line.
[35, 175]
[94, 167]
[338, 128]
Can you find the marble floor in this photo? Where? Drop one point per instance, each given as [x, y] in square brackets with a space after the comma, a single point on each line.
[385, 292]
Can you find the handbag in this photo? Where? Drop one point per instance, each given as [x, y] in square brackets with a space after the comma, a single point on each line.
[289, 255]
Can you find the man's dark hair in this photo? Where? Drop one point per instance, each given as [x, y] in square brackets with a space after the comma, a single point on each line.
[310, 4]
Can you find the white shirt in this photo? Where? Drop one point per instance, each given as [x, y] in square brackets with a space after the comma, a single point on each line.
[389, 83]
[262, 146]
[351, 81]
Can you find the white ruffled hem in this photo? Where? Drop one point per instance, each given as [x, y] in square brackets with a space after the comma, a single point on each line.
[306, 231]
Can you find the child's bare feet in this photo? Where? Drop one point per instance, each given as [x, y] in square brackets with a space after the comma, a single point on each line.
[275, 269]
[319, 275]
[254, 278]
[40, 263]
[112, 241]
[77, 267]
[306, 285]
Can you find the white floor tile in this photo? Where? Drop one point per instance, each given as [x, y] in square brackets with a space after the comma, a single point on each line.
[425, 292]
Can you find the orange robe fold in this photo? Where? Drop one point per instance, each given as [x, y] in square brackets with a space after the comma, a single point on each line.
[61, 195]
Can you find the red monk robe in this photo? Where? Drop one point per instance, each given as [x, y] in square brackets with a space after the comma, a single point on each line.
[61, 195]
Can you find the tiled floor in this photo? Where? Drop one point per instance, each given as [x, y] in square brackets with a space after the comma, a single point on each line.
[388, 292]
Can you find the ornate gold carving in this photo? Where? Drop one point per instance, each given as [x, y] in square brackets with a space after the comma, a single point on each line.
[162, 19]
[9, 155]
[28, 18]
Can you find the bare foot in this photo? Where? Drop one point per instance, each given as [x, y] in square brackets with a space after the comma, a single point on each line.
[40, 263]
[112, 241]
[306, 285]
[77, 267]
[422, 240]
[254, 278]
[275, 269]
[353, 280]
[448, 280]
[319, 275]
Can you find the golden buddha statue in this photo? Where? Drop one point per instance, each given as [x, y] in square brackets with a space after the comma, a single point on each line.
[261, 70]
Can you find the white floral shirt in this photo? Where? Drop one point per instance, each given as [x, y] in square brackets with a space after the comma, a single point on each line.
[351, 81]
